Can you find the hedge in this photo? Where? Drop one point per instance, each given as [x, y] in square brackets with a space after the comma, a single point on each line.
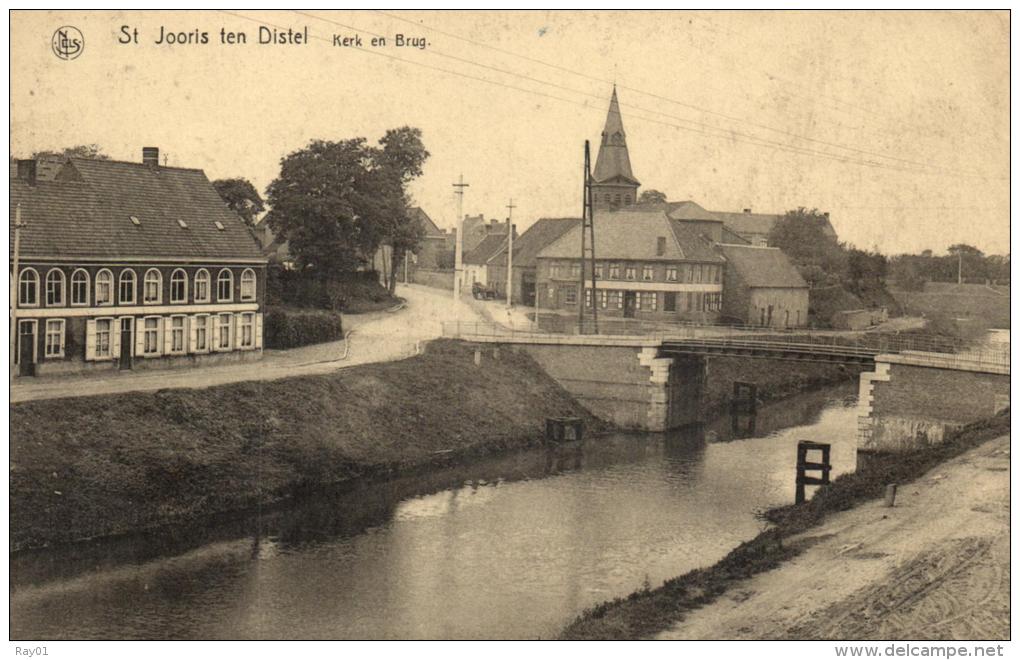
[289, 328]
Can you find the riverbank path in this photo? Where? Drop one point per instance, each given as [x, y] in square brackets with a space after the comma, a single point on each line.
[374, 337]
[936, 566]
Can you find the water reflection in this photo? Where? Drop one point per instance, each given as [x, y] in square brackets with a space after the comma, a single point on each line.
[508, 547]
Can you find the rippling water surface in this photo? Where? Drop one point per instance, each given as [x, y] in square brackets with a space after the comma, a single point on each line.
[513, 547]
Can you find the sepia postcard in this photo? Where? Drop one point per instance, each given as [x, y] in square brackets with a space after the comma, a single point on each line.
[375, 324]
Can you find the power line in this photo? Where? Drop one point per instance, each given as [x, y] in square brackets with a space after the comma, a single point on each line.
[669, 100]
[725, 134]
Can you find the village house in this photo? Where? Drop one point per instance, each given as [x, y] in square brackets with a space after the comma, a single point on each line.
[761, 287]
[647, 267]
[130, 265]
[476, 261]
[526, 249]
[427, 255]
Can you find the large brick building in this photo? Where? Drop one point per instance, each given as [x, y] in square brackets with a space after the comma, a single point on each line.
[647, 267]
[127, 265]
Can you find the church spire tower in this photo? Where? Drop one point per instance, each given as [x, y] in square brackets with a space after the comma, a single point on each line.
[613, 182]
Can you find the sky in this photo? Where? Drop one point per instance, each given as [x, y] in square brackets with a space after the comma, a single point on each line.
[895, 123]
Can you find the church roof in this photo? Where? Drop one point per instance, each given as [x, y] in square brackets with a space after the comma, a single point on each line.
[613, 161]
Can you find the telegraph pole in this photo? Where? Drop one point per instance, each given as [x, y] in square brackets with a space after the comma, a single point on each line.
[510, 254]
[587, 251]
[15, 286]
[459, 254]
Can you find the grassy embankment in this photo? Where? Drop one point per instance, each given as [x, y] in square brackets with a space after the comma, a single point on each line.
[648, 612]
[95, 466]
[959, 310]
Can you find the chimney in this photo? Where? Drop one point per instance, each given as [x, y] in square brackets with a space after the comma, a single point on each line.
[26, 171]
[150, 156]
[747, 210]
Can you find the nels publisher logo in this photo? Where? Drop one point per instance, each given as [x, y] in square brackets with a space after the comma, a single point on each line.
[68, 42]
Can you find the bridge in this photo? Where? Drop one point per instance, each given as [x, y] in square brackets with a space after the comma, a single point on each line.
[654, 378]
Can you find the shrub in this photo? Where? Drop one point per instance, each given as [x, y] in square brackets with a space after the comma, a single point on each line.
[349, 293]
[289, 328]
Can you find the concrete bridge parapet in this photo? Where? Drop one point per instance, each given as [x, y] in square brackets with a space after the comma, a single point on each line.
[915, 399]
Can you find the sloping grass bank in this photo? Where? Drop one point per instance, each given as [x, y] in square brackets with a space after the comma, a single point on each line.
[95, 466]
[648, 612]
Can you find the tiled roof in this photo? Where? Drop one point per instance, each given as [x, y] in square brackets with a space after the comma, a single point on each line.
[634, 235]
[762, 266]
[748, 223]
[484, 250]
[543, 232]
[733, 238]
[91, 217]
[430, 227]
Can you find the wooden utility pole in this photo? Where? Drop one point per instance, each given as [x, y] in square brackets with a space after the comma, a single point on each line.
[587, 247]
[459, 254]
[15, 287]
[510, 253]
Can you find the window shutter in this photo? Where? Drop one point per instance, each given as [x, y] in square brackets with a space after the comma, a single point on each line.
[115, 339]
[215, 346]
[258, 331]
[237, 332]
[90, 340]
[139, 336]
[167, 329]
[192, 333]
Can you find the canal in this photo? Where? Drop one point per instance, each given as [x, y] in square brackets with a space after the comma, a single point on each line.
[510, 547]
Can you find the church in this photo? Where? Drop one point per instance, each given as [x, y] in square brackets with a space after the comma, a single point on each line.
[666, 261]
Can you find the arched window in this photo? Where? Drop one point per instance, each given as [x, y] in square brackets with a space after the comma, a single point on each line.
[179, 286]
[54, 287]
[104, 287]
[248, 284]
[202, 286]
[225, 286]
[153, 291]
[80, 287]
[127, 287]
[28, 286]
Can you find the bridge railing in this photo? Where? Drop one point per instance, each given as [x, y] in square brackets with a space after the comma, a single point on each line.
[748, 337]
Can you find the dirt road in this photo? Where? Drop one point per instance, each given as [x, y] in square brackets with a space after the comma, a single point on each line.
[934, 567]
[375, 337]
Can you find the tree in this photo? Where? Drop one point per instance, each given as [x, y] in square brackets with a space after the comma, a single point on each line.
[802, 234]
[242, 198]
[336, 203]
[401, 158]
[91, 151]
[651, 196]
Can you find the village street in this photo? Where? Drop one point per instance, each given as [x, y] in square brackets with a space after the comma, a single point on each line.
[374, 337]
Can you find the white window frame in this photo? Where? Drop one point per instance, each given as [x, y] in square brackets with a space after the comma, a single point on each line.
[614, 271]
[247, 319]
[230, 332]
[33, 275]
[88, 286]
[672, 273]
[159, 287]
[202, 275]
[648, 273]
[184, 288]
[109, 344]
[134, 286]
[201, 322]
[61, 282]
[630, 272]
[159, 336]
[248, 273]
[184, 334]
[110, 280]
[229, 278]
[46, 338]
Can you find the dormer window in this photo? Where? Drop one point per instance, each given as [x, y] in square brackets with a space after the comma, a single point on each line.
[660, 246]
[219, 225]
[182, 224]
[135, 221]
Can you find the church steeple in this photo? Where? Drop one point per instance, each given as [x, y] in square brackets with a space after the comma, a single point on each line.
[613, 182]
